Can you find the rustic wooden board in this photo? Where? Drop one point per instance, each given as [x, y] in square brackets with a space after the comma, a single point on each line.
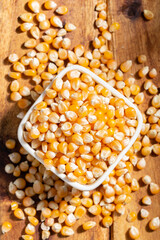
[138, 36]
[81, 13]
[135, 37]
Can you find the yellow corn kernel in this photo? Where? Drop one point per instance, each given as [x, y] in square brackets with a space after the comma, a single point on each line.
[97, 197]
[52, 68]
[62, 217]
[108, 54]
[146, 151]
[70, 220]
[107, 221]
[153, 89]
[27, 201]
[13, 57]
[26, 17]
[14, 205]
[55, 213]
[56, 22]
[42, 47]
[43, 58]
[141, 163]
[88, 225]
[30, 72]
[23, 103]
[105, 211]
[62, 54]
[120, 208]
[50, 5]
[125, 66]
[48, 39]
[146, 179]
[41, 67]
[147, 84]
[128, 199]
[39, 89]
[15, 96]
[95, 210]
[156, 101]
[130, 112]
[62, 10]
[70, 27]
[143, 71]
[148, 14]
[152, 73]
[79, 50]
[18, 213]
[41, 105]
[135, 89]
[112, 64]
[46, 212]
[134, 185]
[38, 187]
[119, 75]
[62, 206]
[6, 227]
[132, 216]
[114, 27]
[10, 143]
[27, 237]
[14, 75]
[30, 211]
[134, 233]
[100, 6]
[142, 58]
[80, 212]
[57, 42]
[154, 224]
[144, 213]
[19, 67]
[102, 14]
[34, 6]
[83, 62]
[146, 200]
[26, 26]
[66, 43]
[25, 60]
[72, 57]
[44, 25]
[24, 91]
[75, 201]
[67, 231]
[35, 32]
[30, 229]
[154, 188]
[139, 98]
[31, 43]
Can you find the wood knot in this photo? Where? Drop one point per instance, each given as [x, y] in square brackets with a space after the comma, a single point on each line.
[132, 9]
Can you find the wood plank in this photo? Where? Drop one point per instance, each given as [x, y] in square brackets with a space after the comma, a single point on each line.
[82, 14]
[138, 36]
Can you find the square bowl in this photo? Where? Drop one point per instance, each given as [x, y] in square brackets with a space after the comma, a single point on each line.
[98, 80]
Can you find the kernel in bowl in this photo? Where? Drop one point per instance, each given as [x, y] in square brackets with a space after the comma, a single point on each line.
[80, 127]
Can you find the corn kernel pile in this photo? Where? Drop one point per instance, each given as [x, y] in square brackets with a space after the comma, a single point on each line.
[74, 130]
[80, 128]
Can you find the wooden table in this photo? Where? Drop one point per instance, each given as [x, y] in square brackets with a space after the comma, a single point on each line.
[136, 36]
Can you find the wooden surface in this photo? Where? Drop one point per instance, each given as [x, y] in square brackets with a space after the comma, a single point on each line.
[136, 36]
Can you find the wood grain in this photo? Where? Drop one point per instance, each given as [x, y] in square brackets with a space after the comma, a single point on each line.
[135, 37]
[138, 36]
[82, 14]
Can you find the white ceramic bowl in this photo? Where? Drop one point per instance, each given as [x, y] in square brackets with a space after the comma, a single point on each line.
[97, 79]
